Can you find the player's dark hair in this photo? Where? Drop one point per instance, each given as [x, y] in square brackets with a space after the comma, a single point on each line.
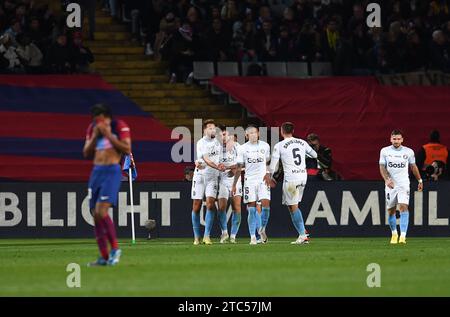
[251, 126]
[101, 109]
[312, 137]
[222, 127]
[287, 127]
[397, 132]
[435, 136]
[208, 121]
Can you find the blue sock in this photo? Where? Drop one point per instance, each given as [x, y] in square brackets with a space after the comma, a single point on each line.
[235, 223]
[265, 213]
[297, 220]
[404, 220]
[393, 222]
[258, 223]
[196, 224]
[222, 215]
[209, 220]
[251, 220]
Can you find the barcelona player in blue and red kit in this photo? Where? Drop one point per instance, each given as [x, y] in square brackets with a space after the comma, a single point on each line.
[106, 140]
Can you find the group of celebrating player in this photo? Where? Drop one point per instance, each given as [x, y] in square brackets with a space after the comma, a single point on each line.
[217, 177]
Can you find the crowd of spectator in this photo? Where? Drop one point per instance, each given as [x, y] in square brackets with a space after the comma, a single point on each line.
[35, 40]
[414, 35]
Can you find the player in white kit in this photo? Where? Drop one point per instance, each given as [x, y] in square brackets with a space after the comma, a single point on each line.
[292, 152]
[395, 161]
[255, 157]
[209, 149]
[229, 160]
[197, 193]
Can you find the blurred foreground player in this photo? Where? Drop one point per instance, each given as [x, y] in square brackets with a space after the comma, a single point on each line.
[106, 141]
[395, 161]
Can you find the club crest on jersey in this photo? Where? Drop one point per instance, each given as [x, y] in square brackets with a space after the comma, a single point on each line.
[405, 156]
[262, 151]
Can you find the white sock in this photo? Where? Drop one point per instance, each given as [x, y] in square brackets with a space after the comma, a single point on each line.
[253, 237]
[224, 232]
[394, 233]
[403, 234]
[233, 236]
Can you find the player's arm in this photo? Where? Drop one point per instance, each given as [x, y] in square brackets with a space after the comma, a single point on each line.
[386, 177]
[238, 169]
[274, 162]
[123, 145]
[415, 171]
[310, 151]
[89, 145]
[210, 163]
[383, 171]
[268, 176]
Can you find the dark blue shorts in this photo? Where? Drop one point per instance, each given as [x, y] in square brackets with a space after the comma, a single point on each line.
[104, 184]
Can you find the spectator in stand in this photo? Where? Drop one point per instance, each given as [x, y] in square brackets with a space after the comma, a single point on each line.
[416, 53]
[285, 45]
[432, 159]
[181, 52]
[36, 34]
[59, 56]
[167, 28]
[11, 59]
[250, 44]
[266, 43]
[307, 44]
[320, 168]
[14, 30]
[330, 41]
[440, 52]
[229, 12]
[218, 42]
[29, 54]
[81, 55]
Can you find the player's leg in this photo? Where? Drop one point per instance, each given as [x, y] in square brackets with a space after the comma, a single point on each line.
[251, 220]
[211, 194]
[222, 216]
[250, 201]
[393, 224]
[100, 234]
[258, 222]
[108, 198]
[197, 193]
[292, 196]
[391, 206]
[236, 216]
[404, 221]
[195, 215]
[224, 195]
[264, 196]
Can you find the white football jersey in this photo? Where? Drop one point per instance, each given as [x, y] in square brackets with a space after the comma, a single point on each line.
[211, 148]
[397, 162]
[292, 152]
[255, 158]
[229, 157]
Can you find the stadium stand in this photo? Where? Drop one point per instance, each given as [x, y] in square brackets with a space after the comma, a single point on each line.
[44, 120]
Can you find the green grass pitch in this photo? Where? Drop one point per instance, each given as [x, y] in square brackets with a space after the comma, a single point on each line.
[174, 267]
